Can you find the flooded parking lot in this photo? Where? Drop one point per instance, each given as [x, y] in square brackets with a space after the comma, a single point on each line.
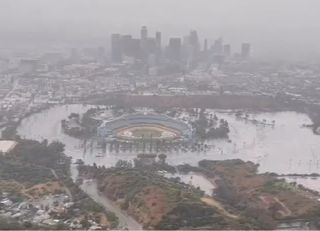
[285, 148]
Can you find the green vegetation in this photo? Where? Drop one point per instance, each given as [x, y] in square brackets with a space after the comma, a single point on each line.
[87, 204]
[188, 215]
[158, 202]
[81, 126]
[31, 163]
[50, 156]
[210, 127]
[279, 185]
[27, 174]
[262, 198]
[10, 132]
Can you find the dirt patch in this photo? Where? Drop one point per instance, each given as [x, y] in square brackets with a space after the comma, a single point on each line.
[39, 190]
[214, 203]
[242, 187]
[150, 205]
[104, 222]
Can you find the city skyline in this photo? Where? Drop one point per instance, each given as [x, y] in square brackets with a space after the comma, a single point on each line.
[185, 51]
[49, 24]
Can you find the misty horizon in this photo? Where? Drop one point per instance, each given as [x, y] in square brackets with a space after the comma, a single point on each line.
[284, 29]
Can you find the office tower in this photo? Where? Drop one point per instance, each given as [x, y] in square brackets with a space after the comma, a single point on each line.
[245, 50]
[174, 49]
[159, 47]
[116, 48]
[194, 41]
[218, 46]
[135, 48]
[151, 46]
[158, 39]
[227, 50]
[143, 42]
[144, 33]
[131, 47]
[205, 45]
[126, 45]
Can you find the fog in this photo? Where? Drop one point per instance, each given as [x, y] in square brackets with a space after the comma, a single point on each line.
[276, 28]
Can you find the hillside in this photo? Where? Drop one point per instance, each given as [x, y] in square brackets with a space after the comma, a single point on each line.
[160, 203]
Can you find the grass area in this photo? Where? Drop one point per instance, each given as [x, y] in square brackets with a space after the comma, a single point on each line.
[145, 132]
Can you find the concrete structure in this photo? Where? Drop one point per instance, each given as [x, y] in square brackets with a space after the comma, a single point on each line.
[174, 49]
[7, 145]
[245, 50]
[116, 48]
[145, 126]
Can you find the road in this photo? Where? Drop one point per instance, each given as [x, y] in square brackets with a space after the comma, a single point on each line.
[125, 221]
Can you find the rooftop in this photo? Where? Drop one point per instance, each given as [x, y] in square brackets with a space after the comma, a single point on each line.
[7, 145]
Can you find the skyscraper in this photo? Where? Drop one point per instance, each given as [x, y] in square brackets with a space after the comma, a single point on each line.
[218, 46]
[126, 44]
[144, 33]
[245, 50]
[205, 45]
[227, 50]
[194, 40]
[116, 48]
[158, 39]
[174, 49]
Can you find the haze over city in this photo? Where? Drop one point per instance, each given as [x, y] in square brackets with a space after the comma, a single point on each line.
[285, 29]
[159, 115]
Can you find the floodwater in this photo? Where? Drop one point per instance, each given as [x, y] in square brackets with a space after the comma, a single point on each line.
[285, 148]
[196, 180]
[308, 182]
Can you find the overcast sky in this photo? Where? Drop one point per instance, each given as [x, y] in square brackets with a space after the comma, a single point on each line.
[276, 28]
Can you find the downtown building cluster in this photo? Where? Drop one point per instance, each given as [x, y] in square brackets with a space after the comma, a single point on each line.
[178, 54]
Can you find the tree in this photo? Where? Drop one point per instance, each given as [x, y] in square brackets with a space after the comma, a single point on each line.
[162, 158]
[123, 164]
[56, 147]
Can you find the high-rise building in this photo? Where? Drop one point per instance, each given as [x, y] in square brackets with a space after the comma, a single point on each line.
[194, 40]
[144, 43]
[205, 45]
[174, 49]
[245, 50]
[218, 46]
[116, 48]
[144, 33]
[126, 44]
[151, 46]
[227, 50]
[158, 39]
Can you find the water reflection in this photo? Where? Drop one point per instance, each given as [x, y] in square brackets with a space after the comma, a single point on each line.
[308, 182]
[196, 180]
[284, 148]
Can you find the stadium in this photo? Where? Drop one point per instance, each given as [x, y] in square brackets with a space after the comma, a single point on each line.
[145, 126]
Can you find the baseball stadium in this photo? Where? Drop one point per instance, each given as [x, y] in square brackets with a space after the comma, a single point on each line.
[145, 126]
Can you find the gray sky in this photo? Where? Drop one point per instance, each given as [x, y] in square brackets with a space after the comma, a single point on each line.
[276, 28]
